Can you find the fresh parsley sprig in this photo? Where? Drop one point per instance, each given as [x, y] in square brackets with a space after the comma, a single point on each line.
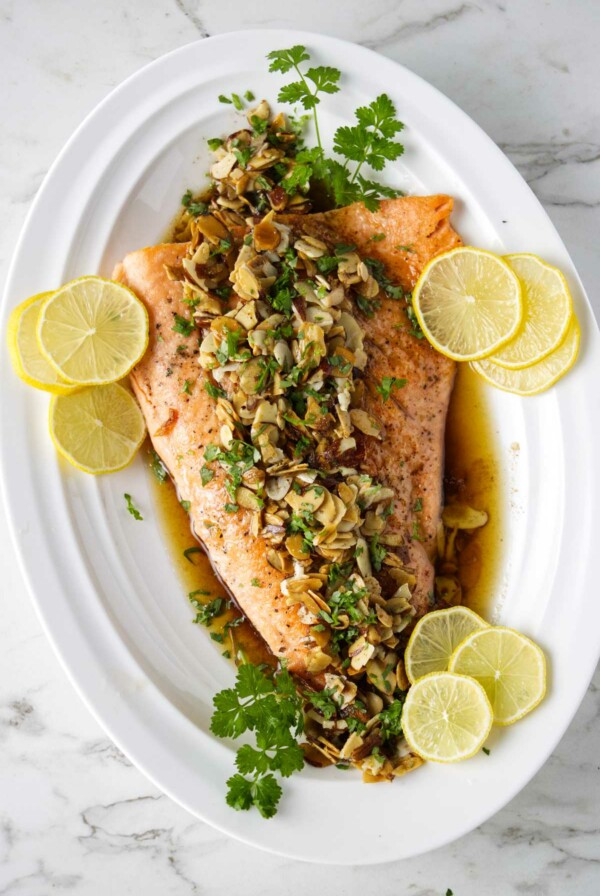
[323, 79]
[371, 141]
[271, 708]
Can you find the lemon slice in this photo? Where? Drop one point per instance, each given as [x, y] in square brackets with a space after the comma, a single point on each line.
[510, 667]
[93, 331]
[435, 638]
[27, 360]
[547, 312]
[468, 303]
[539, 377]
[98, 429]
[446, 717]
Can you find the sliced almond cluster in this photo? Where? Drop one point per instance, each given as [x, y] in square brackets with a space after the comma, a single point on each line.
[252, 168]
[286, 361]
[254, 171]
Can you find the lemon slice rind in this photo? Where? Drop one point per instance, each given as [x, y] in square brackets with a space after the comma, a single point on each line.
[547, 312]
[27, 360]
[539, 377]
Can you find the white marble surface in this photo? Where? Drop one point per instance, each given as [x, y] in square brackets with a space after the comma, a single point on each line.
[74, 814]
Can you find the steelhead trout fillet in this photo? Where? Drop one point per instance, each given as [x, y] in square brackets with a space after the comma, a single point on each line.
[411, 459]
[181, 415]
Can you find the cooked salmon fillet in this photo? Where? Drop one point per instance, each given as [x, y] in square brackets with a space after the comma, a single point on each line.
[182, 421]
[411, 457]
[181, 425]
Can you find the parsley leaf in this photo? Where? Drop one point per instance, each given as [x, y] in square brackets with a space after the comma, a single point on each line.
[235, 100]
[158, 468]
[388, 384]
[264, 793]
[206, 474]
[189, 551]
[194, 208]
[270, 707]
[183, 325]
[205, 613]
[132, 508]
[284, 60]
[214, 391]
[391, 719]
[323, 701]
[377, 553]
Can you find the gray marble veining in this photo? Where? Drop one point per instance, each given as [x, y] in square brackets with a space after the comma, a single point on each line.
[75, 816]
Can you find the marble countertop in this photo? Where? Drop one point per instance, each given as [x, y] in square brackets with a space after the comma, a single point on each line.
[74, 814]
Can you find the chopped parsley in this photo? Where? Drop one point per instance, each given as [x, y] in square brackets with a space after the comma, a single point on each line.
[132, 508]
[415, 325]
[183, 325]
[194, 207]
[323, 701]
[388, 384]
[377, 553]
[235, 100]
[214, 391]
[189, 551]
[243, 155]
[236, 460]
[206, 613]
[206, 474]
[390, 719]
[185, 505]
[159, 470]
